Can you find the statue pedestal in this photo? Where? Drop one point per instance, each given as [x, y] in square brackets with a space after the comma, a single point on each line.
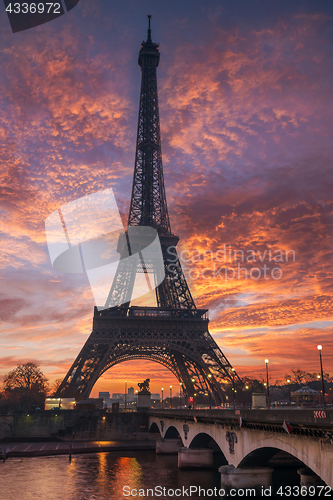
[144, 400]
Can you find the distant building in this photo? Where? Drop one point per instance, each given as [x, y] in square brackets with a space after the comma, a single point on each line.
[155, 396]
[130, 391]
[117, 395]
[305, 396]
[106, 398]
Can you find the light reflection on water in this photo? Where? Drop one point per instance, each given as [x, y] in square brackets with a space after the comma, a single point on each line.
[97, 476]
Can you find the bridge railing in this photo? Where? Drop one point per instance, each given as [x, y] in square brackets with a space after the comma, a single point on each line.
[299, 417]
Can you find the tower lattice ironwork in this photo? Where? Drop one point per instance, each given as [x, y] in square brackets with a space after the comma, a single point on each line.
[175, 333]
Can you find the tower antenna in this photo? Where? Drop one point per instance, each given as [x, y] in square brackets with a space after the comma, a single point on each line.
[149, 30]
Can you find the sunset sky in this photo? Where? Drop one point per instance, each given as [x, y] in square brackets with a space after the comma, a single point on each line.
[245, 95]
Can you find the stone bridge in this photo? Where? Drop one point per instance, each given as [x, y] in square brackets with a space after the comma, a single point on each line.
[249, 438]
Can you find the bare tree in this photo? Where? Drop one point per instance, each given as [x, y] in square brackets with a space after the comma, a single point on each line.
[26, 385]
[297, 376]
[302, 377]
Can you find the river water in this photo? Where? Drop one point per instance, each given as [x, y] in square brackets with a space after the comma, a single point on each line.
[104, 476]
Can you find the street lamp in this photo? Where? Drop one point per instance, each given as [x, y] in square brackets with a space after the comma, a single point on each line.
[210, 391]
[288, 382]
[246, 387]
[233, 386]
[162, 397]
[125, 394]
[267, 384]
[193, 381]
[180, 395]
[319, 347]
[170, 396]
[194, 395]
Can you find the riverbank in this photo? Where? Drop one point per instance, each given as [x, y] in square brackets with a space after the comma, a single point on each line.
[37, 449]
[69, 425]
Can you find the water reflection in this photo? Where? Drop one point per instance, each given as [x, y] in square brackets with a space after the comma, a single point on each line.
[97, 476]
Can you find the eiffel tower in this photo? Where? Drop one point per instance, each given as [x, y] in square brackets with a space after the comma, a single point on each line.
[175, 333]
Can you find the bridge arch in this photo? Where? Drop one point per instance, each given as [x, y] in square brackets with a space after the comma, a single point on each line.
[261, 456]
[154, 429]
[258, 456]
[172, 433]
[205, 440]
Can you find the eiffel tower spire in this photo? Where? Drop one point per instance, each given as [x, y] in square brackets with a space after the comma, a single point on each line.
[148, 202]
